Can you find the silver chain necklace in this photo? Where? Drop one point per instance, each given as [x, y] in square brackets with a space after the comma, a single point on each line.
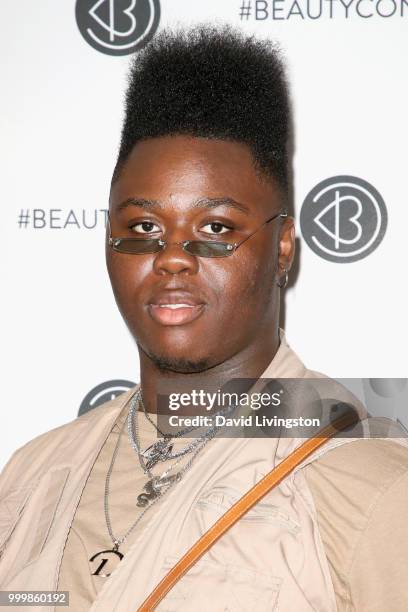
[161, 450]
[158, 451]
[162, 484]
[164, 435]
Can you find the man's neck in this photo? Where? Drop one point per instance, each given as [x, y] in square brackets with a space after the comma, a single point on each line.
[249, 363]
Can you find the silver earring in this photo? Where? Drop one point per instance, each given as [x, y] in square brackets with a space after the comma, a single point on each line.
[283, 284]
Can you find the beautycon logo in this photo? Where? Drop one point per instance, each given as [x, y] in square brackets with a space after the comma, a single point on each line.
[343, 219]
[104, 392]
[117, 27]
[301, 10]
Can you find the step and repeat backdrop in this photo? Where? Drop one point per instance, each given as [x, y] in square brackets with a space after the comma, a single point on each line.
[64, 64]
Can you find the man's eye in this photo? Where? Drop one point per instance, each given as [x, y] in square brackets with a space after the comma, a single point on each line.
[216, 228]
[144, 227]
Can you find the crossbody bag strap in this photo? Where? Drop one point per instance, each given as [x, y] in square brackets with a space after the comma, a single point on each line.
[245, 503]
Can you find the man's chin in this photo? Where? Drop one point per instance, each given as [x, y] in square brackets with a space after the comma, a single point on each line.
[180, 365]
[177, 364]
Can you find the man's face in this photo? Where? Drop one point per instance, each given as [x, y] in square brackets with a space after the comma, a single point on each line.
[196, 189]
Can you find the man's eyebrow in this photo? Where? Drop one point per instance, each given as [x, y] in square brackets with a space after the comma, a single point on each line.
[201, 203]
[214, 202]
[141, 202]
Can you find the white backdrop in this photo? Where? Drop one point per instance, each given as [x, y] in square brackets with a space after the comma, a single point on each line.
[61, 114]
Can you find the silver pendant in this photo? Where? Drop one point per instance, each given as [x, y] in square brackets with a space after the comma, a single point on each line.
[109, 556]
[158, 451]
[155, 487]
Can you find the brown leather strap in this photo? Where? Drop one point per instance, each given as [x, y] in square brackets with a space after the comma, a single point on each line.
[242, 506]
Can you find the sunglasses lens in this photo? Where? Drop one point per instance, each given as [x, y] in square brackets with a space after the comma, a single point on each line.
[135, 246]
[199, 248]
[209, 249]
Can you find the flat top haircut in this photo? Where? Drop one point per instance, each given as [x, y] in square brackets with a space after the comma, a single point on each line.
[213, 83]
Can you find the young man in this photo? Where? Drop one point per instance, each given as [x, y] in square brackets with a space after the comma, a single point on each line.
[203, 161]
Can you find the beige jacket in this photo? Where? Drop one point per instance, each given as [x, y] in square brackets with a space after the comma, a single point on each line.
[273, 559]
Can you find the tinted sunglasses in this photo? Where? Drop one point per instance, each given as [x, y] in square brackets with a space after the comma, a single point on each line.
[199, 248]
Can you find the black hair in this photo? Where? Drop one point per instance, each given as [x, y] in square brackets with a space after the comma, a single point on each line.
[214, 83]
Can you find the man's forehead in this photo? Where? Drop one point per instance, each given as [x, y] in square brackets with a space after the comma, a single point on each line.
[188, 171]
[196, 204]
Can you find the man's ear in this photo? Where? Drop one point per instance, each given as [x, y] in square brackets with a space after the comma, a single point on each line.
[286, 245]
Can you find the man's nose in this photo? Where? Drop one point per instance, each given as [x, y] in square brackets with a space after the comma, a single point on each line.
[173, 259]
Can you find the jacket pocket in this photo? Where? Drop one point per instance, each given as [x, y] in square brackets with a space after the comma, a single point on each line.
[43, 521]
[219, 500]
[11, 509]
[210, 585]
[30, 523]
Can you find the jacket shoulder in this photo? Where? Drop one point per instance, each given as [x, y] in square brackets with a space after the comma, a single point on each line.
[28, 459]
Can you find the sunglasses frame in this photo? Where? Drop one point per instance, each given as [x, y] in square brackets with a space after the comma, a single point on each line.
[231, 248]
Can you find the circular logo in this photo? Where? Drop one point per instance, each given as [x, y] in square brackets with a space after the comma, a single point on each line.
[117, 27]
[388, 387]
[104, 392]
[343, 219]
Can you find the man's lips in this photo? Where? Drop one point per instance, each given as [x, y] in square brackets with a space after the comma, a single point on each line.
[171, 306]
[175, 314]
